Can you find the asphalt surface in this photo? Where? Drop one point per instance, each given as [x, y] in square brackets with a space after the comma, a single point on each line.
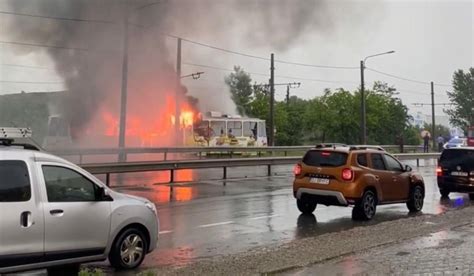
[205, 218]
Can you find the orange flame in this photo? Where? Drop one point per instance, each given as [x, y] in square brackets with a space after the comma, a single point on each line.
[154, 130]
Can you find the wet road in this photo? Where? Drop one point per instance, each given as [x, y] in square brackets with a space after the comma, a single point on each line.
[206, 218]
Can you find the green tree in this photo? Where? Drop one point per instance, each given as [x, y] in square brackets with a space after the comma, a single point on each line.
[241, 90]
[461, 114]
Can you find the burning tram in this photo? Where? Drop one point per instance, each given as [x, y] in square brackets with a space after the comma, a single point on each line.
[216, 129]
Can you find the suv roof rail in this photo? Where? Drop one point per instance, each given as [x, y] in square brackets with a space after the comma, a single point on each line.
[8, 133]
[366, 147]
[330, 145]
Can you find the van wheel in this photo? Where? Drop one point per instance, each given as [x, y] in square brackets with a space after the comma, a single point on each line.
[415, 200]
[306, 206]
[128, 250]
[365, 208]
[444, 193]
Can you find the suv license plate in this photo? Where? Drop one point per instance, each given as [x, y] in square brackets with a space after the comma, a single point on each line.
[459, 173]
[324, 181]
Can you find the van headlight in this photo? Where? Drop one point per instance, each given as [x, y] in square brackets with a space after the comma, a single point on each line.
[151, 206]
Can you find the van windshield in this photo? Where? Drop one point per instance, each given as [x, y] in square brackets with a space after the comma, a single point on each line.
[456, 157]
[325, 158]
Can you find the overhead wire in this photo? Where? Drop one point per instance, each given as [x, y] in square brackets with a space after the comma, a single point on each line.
[26, 66]
[58, 18]
[405, 79]
[266, 75]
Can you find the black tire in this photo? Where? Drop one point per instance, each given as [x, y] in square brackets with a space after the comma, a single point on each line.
[133, 241]
[366, 207]
[471, 196]
[415, 199]
[444, 193]
[72, 269]
[305, 206]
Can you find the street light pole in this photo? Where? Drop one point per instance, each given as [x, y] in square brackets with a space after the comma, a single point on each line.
[177, 93]
[123, 93]
[363, 115]
[363, 133]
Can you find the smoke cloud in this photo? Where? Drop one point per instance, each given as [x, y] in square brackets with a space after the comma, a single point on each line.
[92, 68]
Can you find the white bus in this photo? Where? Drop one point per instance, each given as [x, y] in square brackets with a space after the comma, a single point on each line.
[223, 130]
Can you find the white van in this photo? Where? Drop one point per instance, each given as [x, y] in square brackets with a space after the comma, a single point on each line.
[55, 214]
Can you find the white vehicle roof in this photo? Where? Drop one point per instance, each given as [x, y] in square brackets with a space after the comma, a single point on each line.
[17, 153]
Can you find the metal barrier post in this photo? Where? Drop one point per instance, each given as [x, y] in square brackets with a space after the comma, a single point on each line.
[225, 173]
[165, 155]
[269, 170]
[171, 176]
[417, 162]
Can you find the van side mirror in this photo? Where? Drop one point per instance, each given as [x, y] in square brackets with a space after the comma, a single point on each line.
[103, 194]
[408, 168]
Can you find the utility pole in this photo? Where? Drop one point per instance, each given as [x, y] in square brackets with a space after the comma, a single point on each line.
[363, 126]
[123, 95]
[271, 136]
[287, 96]
[433, 126]
[178, 95]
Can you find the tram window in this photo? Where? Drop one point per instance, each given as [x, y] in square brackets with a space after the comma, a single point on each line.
[217, 128]
[250, 129]
[234, 128]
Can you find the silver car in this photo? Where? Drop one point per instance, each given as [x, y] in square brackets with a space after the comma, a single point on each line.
[53, 214]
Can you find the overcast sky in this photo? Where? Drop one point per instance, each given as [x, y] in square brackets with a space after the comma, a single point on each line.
[432, 39]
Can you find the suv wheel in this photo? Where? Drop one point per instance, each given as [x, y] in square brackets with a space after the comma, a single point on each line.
[415, 200]
[306, 206]
[365, 208]
[444, 192]
[128, 250]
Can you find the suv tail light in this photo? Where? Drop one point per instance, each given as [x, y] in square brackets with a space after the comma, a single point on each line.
[297, 169]
[347, 174]
[439, 171]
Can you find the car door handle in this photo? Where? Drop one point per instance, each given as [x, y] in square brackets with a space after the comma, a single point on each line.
[56, 212]
[25, 219]
[377, 177]
[394, 179]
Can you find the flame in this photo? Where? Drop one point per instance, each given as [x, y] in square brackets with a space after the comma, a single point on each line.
[157, 129]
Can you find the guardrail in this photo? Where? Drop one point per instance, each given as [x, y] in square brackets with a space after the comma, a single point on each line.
[200, 151]
[129, 167]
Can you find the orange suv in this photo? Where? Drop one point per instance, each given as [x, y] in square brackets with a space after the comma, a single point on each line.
[362, 176]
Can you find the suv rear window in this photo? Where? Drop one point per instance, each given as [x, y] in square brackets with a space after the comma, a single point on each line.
[325, 158]
[455, 157]
[14, 181]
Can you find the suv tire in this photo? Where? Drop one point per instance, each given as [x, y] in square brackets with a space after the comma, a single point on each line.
[306, 206]
[128, 250]
[415, 199]
[444, 193]
[365, 208]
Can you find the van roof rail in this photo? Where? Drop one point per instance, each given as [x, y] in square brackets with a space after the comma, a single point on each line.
[15, 132]
[7, 135]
